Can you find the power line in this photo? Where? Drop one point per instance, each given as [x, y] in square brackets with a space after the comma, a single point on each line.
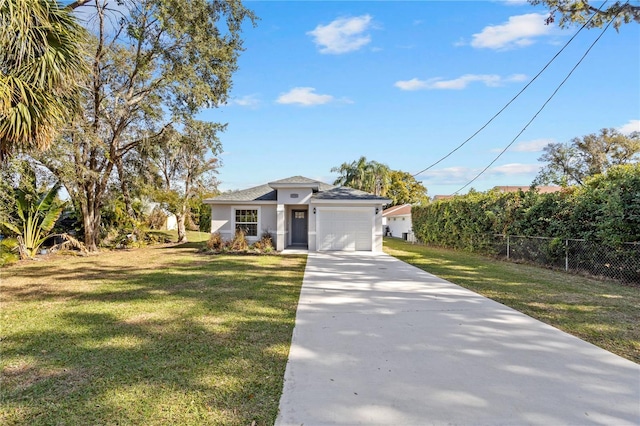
[512, 99]
[541, 108]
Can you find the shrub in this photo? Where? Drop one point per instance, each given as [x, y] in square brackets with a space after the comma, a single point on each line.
[239, 242]
[267, 241]
[216, 242]
[605, 209]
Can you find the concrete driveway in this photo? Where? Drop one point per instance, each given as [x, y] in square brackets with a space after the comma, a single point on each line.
[380, 342]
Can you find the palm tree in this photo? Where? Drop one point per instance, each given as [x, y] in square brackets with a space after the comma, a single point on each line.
[364, 175]
[42, 64]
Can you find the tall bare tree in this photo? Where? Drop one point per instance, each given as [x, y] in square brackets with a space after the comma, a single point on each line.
[182, 166]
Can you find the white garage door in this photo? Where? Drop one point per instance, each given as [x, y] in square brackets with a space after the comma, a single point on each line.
[350, 230]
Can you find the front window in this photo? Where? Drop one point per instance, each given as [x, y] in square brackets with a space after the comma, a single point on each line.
[247, 222]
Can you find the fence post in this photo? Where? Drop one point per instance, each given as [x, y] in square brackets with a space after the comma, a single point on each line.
[508, 248]
[566, 255]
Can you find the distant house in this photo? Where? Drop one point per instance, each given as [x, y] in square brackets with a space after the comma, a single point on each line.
[170, 222]
[302, 212]
[396, 222]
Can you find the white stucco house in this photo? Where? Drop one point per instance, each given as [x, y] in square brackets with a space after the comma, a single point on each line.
[302, 212]
[396, 222]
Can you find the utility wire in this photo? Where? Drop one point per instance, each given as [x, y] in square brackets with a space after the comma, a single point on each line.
[541, 108]
[512, 99]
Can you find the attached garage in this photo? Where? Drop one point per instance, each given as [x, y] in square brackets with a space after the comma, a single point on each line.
[348, 229]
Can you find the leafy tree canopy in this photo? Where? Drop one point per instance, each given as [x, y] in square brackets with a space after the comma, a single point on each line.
[579, 12]
[405, 189]
[571, 163]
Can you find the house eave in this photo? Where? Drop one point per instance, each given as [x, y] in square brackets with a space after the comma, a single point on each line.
[234, 202]
[351, 202]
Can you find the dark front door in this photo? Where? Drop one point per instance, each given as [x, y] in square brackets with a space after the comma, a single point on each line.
[299, 227]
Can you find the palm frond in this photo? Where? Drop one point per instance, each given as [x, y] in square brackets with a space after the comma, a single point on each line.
[43, 64]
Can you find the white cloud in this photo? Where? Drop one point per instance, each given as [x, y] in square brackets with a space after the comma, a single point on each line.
[516, 78]
[342, 35]
[536, 145]
[449, 175]
[515, 169]
[489, 80]
[461, 42]
[515, 2]
[631, 126]
[413, 84]
[461, 175]
[249, 101]
[518, 31]
[303, 96]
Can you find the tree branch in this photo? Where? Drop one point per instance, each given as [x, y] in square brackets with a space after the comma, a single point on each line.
[76, 4]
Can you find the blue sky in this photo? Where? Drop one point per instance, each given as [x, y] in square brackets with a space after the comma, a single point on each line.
[403, 83]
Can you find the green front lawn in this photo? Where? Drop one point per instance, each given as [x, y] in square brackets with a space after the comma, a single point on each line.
[160, 335]
[606, 314]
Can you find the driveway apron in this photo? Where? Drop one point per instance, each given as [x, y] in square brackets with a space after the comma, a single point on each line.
[380, 342]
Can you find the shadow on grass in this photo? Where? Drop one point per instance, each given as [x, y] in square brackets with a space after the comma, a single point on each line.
[192, 342]
[197, 245]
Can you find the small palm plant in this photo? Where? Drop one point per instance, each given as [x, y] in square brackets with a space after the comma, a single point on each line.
[36, 216]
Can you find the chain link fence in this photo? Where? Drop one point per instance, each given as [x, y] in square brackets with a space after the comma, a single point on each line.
[620, 262]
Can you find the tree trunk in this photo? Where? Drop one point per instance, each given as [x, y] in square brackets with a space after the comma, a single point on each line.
[91, 231]
[182, 230]
[126, 195]
[91, 221]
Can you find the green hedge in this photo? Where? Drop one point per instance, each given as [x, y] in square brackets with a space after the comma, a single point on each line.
[606, 209]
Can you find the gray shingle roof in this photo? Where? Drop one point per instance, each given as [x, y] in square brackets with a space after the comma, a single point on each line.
[267, 193]
[346, 193]
[257, 193]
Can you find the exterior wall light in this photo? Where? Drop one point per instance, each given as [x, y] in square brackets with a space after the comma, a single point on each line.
[314, 210]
